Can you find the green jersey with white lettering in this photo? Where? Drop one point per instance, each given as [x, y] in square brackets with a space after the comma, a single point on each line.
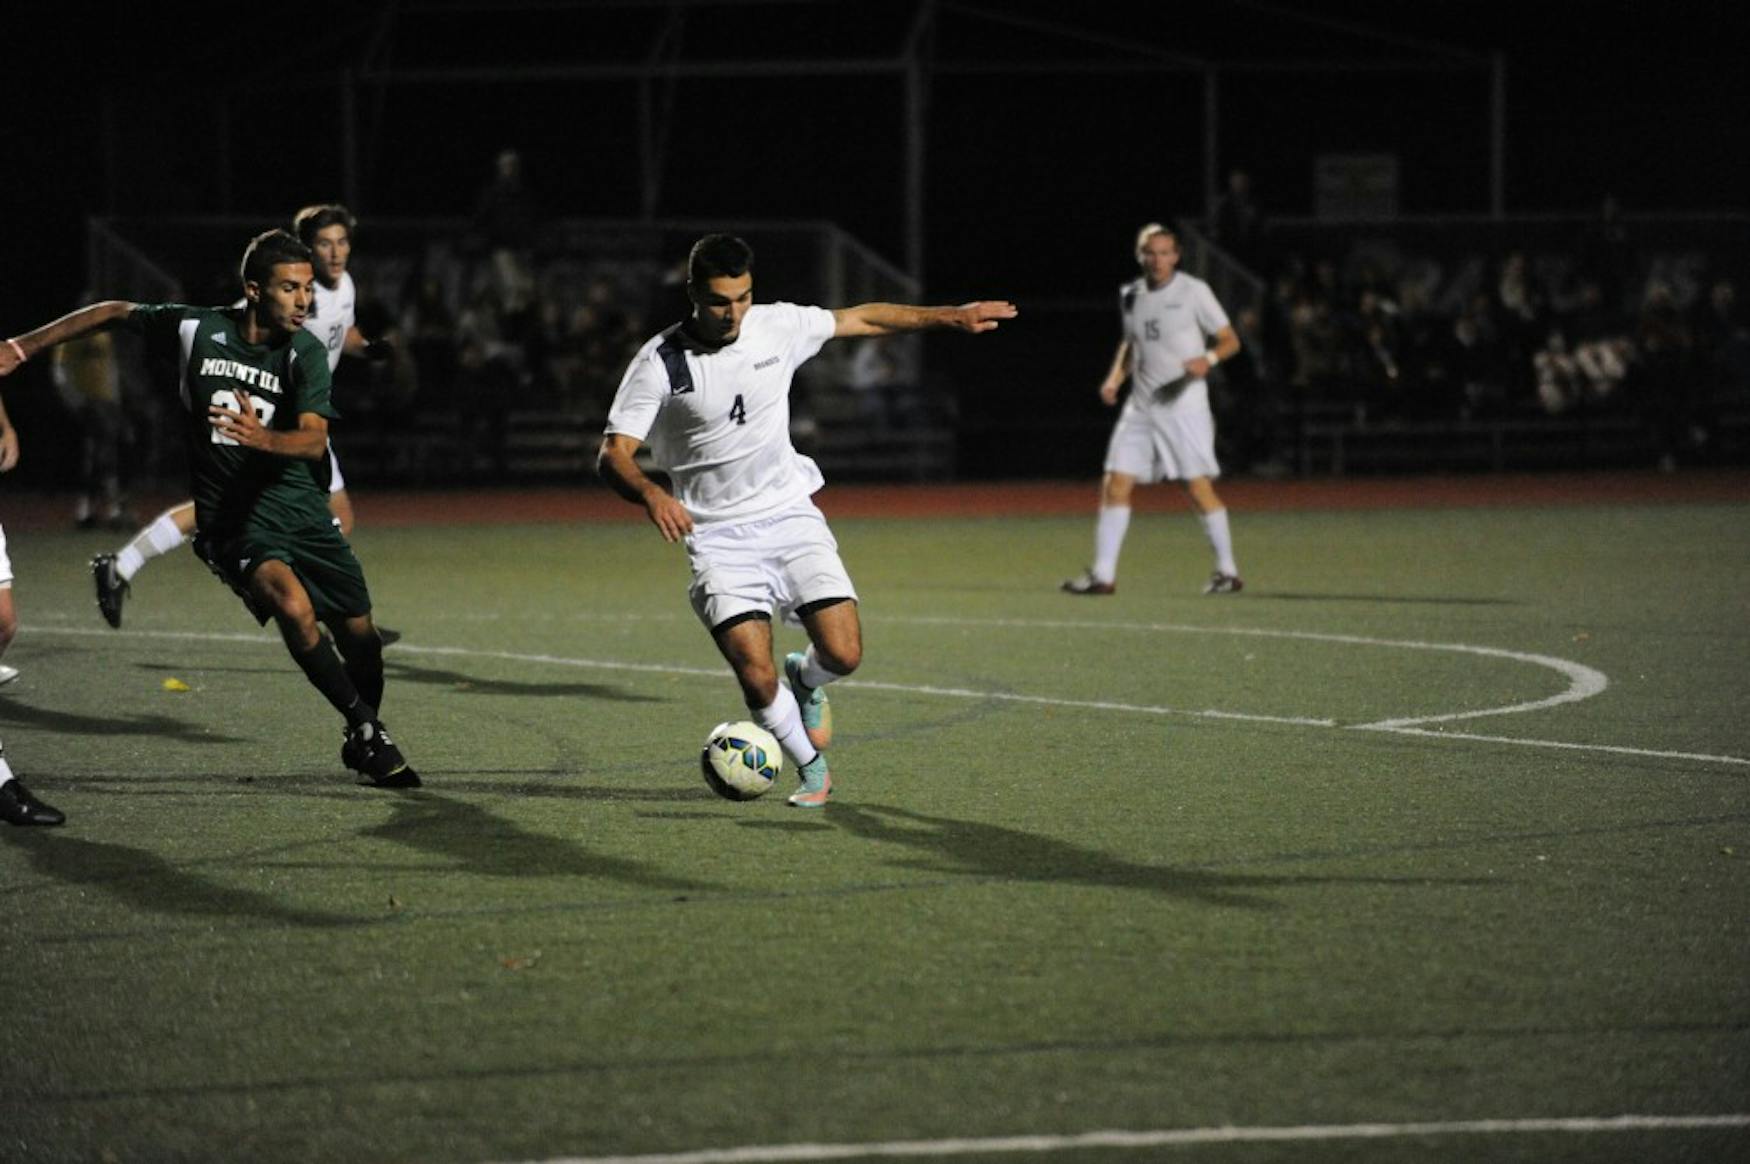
[236, 488]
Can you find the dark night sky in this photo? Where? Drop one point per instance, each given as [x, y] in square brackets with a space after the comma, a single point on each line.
[1036, 182]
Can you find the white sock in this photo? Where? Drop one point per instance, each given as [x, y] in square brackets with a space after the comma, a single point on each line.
[1215, 529]
[784, 720]
[5, 772]
[1109, 531]
[814, 673]
[160, 537]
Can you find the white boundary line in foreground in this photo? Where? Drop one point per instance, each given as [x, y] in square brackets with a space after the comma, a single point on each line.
[1397, 726]
[1170, 1137]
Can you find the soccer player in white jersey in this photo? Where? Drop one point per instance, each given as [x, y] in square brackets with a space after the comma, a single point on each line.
[711, 395]
[1165, 431]
[327, 229]
[17, 805]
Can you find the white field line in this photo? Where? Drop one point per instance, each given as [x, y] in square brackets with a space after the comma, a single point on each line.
[1581, 686]
[1174, 1137]
[1583, 682]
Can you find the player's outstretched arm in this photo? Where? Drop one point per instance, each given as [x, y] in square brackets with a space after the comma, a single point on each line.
[74, 324]
[617, 467]
[871, 319]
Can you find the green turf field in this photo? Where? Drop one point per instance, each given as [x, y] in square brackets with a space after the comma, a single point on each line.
[1136, 863]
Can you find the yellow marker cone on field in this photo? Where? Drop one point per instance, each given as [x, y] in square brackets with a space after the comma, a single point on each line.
[176, 685]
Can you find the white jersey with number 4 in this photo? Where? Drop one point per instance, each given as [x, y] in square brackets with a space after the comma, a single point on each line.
[1167, 326]
[718, 421]
[332, 316]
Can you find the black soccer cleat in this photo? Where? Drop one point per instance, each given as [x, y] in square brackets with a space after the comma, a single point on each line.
[1220, 583]
[19, 807]
[388, 636]
[1085, 583]
[370, 752]
[111, 588]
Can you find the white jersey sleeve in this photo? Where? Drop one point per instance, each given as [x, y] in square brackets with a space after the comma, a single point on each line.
[1207, 309]
[640, 395]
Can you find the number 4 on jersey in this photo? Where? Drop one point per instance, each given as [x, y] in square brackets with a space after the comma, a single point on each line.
[738, 411]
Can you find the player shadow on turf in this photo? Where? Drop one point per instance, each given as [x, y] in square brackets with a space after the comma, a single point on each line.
[438, 677]
[479, 842]
[69, 724]
[145, 881]
[1401, 599]
[990, 851]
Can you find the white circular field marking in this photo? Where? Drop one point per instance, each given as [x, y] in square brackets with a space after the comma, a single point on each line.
[1583, 682]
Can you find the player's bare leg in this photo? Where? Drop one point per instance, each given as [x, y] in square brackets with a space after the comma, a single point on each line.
[746, 644]
[113, 573]
[1213, 516]
[17, 805]
[1113, 522]
[835, 649]
[8, 630]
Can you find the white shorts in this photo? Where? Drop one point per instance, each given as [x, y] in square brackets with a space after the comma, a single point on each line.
[336, 483]
[772, 565]
[1161, 445]
[5, 562]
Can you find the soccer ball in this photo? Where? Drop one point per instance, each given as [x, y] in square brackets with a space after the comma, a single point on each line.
[740, 760]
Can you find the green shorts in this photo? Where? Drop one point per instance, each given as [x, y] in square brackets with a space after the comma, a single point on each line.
[321, 558]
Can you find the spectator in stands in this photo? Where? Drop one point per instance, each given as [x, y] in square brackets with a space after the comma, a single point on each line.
[1560, 385]
[1371, 356]
[1599, 341]
[430, 328]
[1607, 255]
[88, 380]
[507, 225]
[1238, 227]
[1478, 372]
[1665, 374]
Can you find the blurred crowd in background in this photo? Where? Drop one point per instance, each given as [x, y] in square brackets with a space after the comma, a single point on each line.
[1369, 326]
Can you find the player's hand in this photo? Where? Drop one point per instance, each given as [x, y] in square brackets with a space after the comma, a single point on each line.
[8, 448]
[9, 361]
[668, 515]
[1109, 391]
[240, 424]
[1197, 367]
[983, 315]
[378, 350]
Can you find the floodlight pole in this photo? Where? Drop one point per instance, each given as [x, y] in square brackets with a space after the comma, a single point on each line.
[917, 113]
[349, 138]
[1211, 151]
[1498, 135]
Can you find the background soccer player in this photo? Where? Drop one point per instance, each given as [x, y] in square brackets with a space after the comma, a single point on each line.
[712, 395]
[1166, 431]
[256, 387]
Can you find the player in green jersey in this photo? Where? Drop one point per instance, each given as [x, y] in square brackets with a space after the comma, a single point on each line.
[255, 385]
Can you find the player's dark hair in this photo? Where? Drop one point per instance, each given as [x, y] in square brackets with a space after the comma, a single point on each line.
[716, 256]
[306, 222]
[268, 250]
